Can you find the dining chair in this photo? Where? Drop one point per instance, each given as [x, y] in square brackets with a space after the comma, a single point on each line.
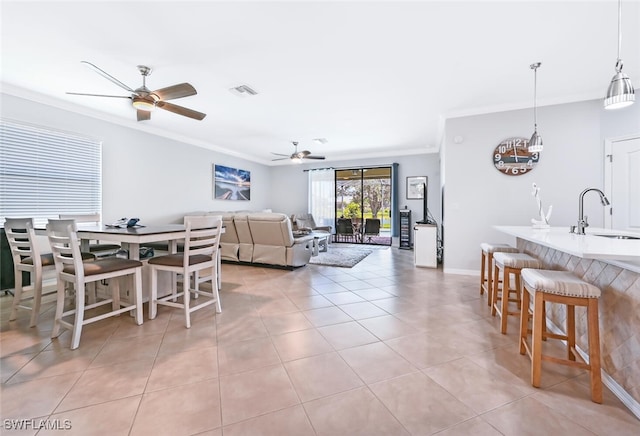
[71, 270]
[200, 254]
[103, 249]
[27, 258]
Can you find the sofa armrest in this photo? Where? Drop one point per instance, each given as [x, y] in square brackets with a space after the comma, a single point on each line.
[302, 239]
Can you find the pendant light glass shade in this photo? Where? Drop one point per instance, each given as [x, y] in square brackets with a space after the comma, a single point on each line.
[535, 143]
[620, 93]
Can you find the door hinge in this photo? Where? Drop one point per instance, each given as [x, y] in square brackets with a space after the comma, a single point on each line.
[610, 156]
[610, 211]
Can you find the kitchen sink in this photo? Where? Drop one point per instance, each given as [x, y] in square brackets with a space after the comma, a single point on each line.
[612, 236]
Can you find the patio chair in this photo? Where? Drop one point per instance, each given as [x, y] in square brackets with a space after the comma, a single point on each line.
[371, 228]
[344, 229]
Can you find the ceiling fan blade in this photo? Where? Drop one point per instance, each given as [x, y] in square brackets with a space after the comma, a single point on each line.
[181, 110]
[279, 154]
[143, 115]
[315, 157]
[108, 76]
[175, 91]
[98, 95]
[280, 158]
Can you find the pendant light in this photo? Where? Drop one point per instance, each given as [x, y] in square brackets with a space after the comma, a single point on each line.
[535, 143]
[620, 93]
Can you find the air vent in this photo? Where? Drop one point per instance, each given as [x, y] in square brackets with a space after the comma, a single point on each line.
[243, 91]
[320, 141]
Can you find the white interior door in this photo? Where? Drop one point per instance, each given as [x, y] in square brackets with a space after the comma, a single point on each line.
[622, 174]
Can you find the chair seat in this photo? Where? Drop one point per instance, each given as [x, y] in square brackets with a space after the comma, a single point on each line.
[515, 260]
[559, 283]
[47, 259]
[177, 260]
[103, 266]
[489, 247]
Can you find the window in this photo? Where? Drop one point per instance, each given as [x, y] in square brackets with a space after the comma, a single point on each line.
[45, 172]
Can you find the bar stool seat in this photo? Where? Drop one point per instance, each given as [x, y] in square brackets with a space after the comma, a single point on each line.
[508, 263]
[486, 265]
[560, 287]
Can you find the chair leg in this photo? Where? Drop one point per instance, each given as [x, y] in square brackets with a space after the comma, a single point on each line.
[493, 291]
[187, 297]
[571, 332]
[506, 292]
[115, 293]
[216, 288]
[79, 318]
[594, 350]
[490, 283]
[536, 343]
[524, 320]
[17, 295]
[37, 297]
[60, 297]
[483, 272]
[137, 295]
[153, 298]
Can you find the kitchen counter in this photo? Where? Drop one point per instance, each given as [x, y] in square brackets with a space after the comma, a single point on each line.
[621, 252]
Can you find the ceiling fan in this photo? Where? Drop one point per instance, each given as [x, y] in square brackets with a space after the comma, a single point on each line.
[297, 156]
[144, 100]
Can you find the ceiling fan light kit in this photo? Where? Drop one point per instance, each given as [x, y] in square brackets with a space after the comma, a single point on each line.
[620, 92]
[145, 100]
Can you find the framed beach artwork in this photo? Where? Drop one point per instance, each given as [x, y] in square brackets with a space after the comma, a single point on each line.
[231, 183]
[416, 186]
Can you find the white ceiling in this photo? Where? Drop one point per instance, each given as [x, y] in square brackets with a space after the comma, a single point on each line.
[374, 78]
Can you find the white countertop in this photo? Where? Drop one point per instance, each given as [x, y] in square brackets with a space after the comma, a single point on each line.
[587, 246]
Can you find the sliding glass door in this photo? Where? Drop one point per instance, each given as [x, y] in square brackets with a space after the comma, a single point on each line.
[363, 205]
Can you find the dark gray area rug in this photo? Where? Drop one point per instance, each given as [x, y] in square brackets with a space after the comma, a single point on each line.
[342, 255]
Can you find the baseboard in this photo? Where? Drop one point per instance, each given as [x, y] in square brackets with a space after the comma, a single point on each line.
[463, 272]
[631, 403]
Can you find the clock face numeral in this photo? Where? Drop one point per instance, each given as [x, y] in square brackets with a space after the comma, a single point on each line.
[513, 158]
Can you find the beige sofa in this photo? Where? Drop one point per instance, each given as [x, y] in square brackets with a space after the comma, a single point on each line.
[262, 238]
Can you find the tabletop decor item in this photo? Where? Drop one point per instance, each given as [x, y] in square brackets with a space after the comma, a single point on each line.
[543, 222]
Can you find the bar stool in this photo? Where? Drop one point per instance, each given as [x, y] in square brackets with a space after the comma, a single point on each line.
[486, 262]
[508, 263]
[560, 287]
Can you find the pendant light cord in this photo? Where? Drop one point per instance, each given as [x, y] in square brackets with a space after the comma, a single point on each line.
[535, 92]
[619, 61]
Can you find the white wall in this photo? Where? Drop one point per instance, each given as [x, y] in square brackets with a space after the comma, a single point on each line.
[150, 177]
[290, 182]
[477, 196]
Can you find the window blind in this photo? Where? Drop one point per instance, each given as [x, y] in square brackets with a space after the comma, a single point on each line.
[45, 172]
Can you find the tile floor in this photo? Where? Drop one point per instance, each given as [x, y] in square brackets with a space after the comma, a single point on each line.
[381, 348]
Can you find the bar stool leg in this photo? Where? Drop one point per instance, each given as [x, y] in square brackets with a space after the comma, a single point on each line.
[571, 332]
[490, 283]
[536, 343]
[505, 300]
[524, 320]
[594, 350]
[483, 272]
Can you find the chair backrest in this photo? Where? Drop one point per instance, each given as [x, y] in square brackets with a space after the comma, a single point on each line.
[22, 240]
[203, 236]
[344, 226]
[306, 221]
[81, 217]
[372, 226]
[65, 245]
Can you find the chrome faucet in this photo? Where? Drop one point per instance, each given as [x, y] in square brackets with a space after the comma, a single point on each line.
[582, 219]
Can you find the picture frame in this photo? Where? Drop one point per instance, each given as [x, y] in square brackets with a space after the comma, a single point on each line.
[416, 186]
[231, 183]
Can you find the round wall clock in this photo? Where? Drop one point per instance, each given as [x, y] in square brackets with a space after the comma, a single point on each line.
[512, 157]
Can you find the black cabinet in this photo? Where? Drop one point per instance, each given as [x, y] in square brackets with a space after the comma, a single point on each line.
[405, 229]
